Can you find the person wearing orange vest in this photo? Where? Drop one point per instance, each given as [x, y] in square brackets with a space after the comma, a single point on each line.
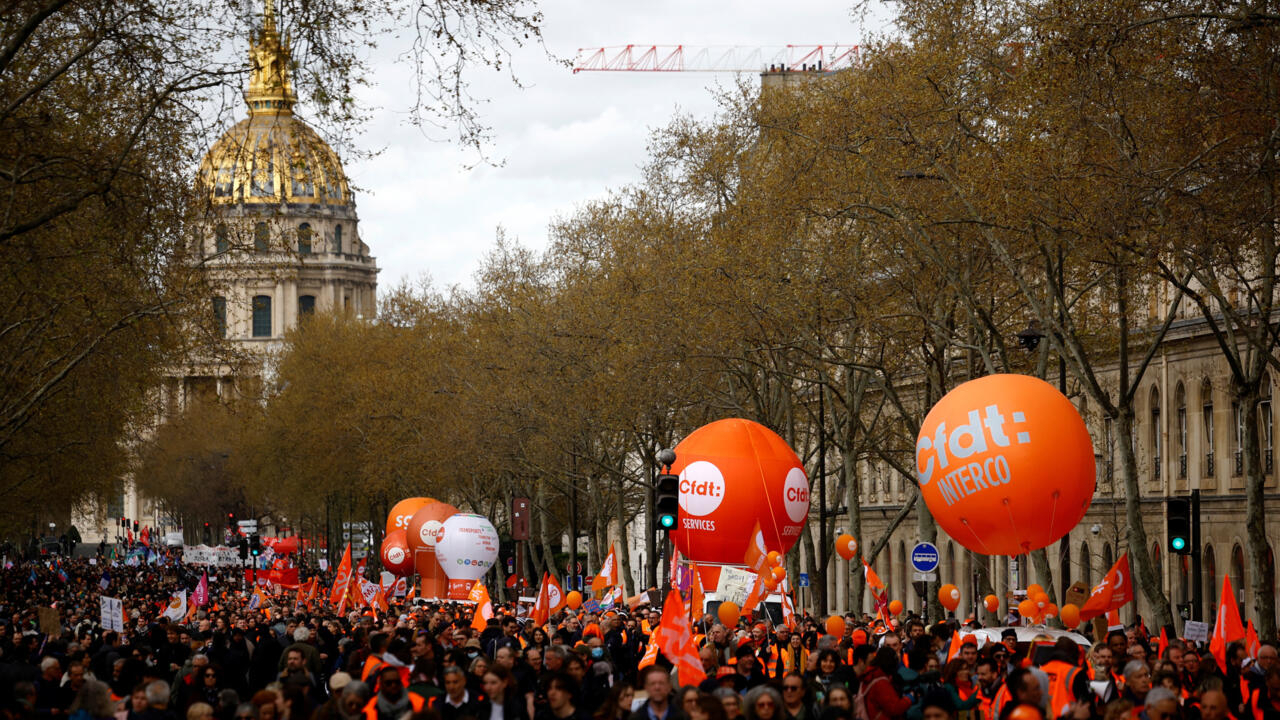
[1067, 682]
[391, 701]
[1264, 701]
[988, 685]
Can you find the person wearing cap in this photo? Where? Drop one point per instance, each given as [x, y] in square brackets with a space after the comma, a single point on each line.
[747, 665]
[332, 708]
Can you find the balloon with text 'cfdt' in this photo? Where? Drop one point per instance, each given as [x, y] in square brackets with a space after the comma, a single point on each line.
[1005, 464]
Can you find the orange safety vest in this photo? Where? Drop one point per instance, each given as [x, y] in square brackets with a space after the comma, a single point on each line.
[985, 704]
[1002, 697]
[371, 708]
[370, 663]
[771, 663]
[1061, 676]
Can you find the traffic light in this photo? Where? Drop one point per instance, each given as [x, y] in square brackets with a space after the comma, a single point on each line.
[255, 545]
[243, 545]
[1179, 526]
[667, 503]
[231, 520]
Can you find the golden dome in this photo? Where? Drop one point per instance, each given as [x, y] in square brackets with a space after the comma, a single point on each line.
[272, 156]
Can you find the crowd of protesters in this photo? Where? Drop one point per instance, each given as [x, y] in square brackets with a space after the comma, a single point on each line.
[291, 660]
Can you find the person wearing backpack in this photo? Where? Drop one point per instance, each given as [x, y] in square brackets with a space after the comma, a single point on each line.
[878, 698]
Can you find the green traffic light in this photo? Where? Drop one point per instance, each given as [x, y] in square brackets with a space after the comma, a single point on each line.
[667, 521]
[1178, 543]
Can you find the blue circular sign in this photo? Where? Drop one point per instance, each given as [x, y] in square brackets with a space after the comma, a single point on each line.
[924, 557]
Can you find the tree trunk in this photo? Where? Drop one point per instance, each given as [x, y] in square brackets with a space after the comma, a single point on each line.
[818, 579]
[624, 548]
[1261, 569]
[548, 558]
[1139, 549]
[1044, 572]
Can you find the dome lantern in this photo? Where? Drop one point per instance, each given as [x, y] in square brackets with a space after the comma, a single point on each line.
[269, 90]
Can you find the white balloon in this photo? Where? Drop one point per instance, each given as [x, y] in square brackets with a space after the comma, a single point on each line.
[467, 546]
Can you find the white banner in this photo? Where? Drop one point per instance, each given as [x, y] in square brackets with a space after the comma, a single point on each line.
[735, 585]
[112, 613]
[220, 556]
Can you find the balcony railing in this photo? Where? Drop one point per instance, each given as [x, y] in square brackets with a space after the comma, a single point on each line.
[1208, 465]
[1182, 466]
[1239, 466]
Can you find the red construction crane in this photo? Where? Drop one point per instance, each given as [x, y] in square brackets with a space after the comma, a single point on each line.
[688, 58]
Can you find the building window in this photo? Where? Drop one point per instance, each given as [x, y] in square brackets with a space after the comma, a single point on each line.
[337, 239]
[264, 178]
[1237, 445]
[1181, 437]
[221, 239]
[1238, 577]
[304, 239]
[1155, 563]
[1155, 434]
[261, 237]
[1109, 448]
[306, 304]
[222, 183]
[1086, 565]
[1206, 422]
[262, 316]
[220, 316]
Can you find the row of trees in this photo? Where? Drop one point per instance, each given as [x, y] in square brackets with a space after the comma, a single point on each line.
[106, 107]
[829, 257]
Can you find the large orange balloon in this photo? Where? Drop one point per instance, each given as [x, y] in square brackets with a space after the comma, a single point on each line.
[421, 535]
[949, 596]
[835, 626]
[729, 613]
[1070, 615]
[895, 607]
[1005, 464]
[395, 554]
[733, 474]
[401, 512]
[992, 602]
[573, 599]
[1027, 609]
[1034, 589]
[846, 546]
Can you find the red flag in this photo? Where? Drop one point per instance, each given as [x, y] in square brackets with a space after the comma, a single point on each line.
[1115, 590]
[339, 590]
[1251, 641]
[1227, 628]
[1163, 643]
[675, 639]
[200, 597]
[696, 598]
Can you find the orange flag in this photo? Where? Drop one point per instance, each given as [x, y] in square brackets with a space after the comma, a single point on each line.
[758, 593]
[1115, 590]
[1227, 628]
[873, 580]
[650, 655]
[1251, 641]
[608, 575]
[484, 607]
[550, 600]
[339, 590]
[757, 555]
[675, 639]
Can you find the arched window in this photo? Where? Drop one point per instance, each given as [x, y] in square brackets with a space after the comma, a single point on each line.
[262, 316]
[337, 239]
[1206, 425]
[220, 316]
[221, 238]
[1107, 558]
[1064, 565]
[1086, 565]
[261, 237]
[1155, 433]
[1210, 572]
[1155, 563]
[951, 563]
[306, 304]
[1180, 432]
[900, 572]
[304, 239]
[886, 567]
[1237, 576]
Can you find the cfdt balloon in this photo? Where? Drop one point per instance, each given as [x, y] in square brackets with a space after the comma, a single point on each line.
[467, 548]
[421, 535]
[949, 597]
[846, 546]
[1005, 464]
[733, 474]
[395, 554]
[401, 512]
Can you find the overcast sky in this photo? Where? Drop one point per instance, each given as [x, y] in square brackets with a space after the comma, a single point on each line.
[565, 138]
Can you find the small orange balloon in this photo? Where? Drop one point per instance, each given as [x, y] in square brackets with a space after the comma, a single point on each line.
[1027, 609]
[775, 558]
[770, 583]
[1034, 589]
[1026, 712]
[949, 596]
[1070, 615]
[992, 602]
[895, 607]
[779, 573]
[728, 613]
[846, 546]
[1041, 599]
[573, 599]
[1051, 611]
[835, 626]
[1005, 464]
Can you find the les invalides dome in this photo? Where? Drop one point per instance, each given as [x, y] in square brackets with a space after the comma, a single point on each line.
[282, 240]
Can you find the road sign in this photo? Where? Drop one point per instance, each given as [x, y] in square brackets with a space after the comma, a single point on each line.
[924, 577]
[804, 580]
[924, 557]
